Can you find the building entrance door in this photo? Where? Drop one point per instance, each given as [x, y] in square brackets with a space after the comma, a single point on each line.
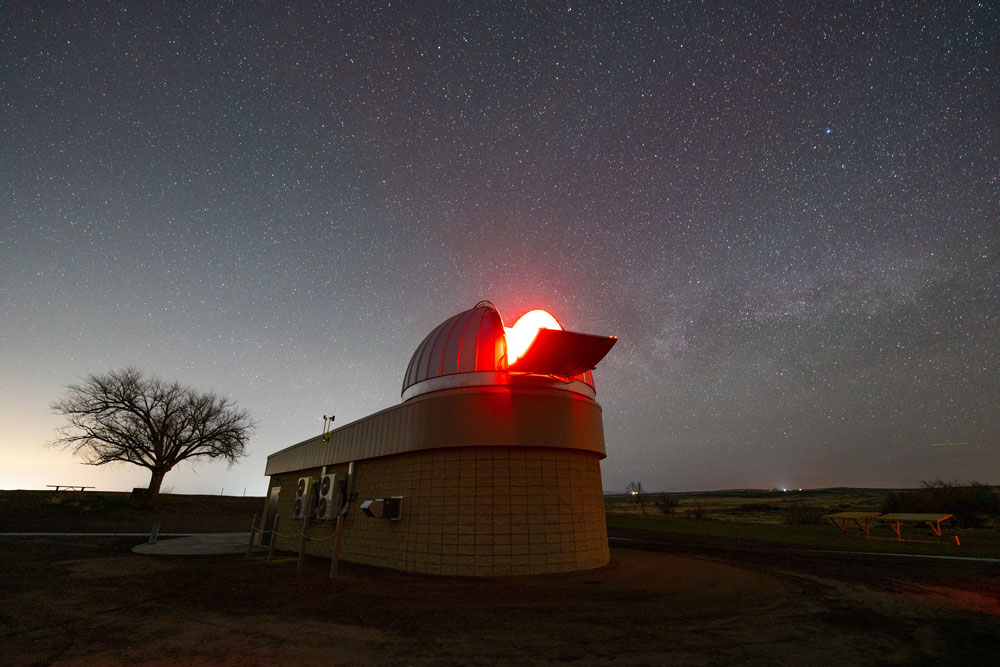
[272, 511]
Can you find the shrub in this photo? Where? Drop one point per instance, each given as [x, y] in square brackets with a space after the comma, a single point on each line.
[666, 503]
[800, 514]
[699, 512]
[971, 504]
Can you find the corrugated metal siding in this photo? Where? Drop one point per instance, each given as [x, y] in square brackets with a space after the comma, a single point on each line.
[507, 417]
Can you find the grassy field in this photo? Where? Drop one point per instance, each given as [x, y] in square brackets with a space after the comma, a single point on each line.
[756, 505]
[794, 518]
[107, 511]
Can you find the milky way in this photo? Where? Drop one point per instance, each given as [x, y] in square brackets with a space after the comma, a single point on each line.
[789, 216]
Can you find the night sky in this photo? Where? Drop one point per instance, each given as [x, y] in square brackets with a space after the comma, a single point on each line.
[787, 213]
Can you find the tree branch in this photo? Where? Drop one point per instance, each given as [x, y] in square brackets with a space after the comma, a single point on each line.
[123, 416]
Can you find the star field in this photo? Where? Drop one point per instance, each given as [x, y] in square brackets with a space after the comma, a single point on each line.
[788, 214]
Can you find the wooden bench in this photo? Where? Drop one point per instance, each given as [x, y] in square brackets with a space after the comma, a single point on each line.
[840, 520]
[74, 487]
[933, 520]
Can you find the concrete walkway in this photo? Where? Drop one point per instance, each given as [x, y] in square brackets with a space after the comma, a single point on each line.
[197, 545]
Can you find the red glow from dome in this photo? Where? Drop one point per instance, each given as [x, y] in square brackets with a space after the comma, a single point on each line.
[523, 333]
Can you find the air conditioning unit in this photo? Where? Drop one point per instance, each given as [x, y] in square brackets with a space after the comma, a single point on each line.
[329, 497]
[302, 492]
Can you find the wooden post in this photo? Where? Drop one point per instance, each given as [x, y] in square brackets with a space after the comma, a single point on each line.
[335, 557]
[274, 538]
[305, 527]
[253, 528]
[154, 533]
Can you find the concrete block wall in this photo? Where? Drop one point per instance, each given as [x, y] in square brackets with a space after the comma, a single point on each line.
[480, 511]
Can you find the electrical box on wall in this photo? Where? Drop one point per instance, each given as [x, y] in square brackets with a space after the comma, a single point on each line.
[393, 508]
[384, 508]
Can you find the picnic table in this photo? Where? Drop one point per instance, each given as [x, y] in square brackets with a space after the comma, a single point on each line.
[75, 487]
[840, 520]
[933, 520]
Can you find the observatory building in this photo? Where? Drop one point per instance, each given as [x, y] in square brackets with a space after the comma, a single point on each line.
[490, 465]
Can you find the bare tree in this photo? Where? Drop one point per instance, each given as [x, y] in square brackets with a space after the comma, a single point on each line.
[123, 416]
[638, 495]
[666, 503]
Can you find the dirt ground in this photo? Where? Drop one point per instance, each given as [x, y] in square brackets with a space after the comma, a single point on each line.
[90, 601]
